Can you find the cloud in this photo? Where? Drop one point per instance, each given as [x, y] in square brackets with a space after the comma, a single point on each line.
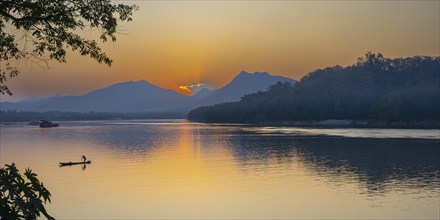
[187, 89]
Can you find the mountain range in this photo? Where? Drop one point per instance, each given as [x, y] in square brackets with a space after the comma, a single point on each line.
[142, 96]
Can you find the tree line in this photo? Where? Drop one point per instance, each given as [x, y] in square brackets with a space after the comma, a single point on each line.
[374, 89]
[26, 116]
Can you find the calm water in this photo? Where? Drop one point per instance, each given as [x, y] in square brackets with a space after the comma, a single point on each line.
[176, 169]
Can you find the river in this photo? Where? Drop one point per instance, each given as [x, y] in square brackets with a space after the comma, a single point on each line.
[177, 169]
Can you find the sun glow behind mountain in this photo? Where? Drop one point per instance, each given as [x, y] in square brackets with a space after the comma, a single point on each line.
[188, 90]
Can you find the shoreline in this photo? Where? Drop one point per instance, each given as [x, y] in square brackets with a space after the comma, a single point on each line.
[300, 124]
[342, 124]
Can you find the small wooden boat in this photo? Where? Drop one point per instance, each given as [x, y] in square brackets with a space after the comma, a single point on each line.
[74, 163]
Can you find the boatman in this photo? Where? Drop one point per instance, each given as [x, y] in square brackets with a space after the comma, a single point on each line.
[83, 158]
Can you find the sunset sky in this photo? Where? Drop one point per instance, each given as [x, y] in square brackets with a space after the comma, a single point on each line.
[174, 43]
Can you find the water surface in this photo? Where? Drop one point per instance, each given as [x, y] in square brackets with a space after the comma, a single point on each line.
[177, 169]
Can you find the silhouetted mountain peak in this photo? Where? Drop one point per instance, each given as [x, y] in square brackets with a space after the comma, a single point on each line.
[131, 84]
[128, 89]
[244, 74]
[244, 83]
[257, 78]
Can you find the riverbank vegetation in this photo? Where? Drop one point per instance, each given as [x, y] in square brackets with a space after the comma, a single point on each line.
[374, 91]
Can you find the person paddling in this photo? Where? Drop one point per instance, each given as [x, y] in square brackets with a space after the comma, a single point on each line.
[83, 158]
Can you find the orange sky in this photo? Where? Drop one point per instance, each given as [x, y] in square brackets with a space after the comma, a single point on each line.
[173, 43]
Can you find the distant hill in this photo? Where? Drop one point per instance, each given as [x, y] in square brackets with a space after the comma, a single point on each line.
[133, 96]
[244, 83]
[29, 104]
[375, 89]
[142, 96]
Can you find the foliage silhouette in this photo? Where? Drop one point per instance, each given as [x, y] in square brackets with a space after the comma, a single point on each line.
[50, 28]
[22, 198]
